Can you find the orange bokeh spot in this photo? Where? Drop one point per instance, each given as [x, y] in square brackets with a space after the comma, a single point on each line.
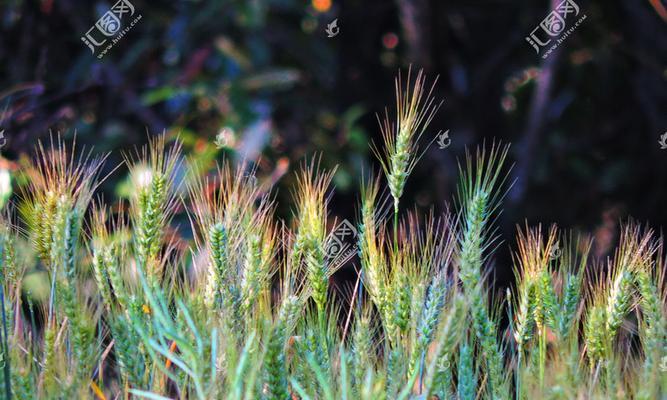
[321, 5]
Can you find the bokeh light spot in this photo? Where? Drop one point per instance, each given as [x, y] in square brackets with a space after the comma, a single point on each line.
[390, 40]
[508, 103]
[321, 5]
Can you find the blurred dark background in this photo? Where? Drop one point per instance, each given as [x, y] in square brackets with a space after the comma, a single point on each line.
[261, 81]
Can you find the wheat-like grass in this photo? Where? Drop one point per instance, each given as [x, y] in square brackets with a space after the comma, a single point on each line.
[415, 109]
[363, 350]
[245, 310]
[467, 376]
[478, 198]
[153, 173]
[311, 236]
[276, 370]
[375, 275]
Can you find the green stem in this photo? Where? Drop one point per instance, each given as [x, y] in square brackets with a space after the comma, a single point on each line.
[543, 354]
[5, 347]
[321, 321]
[518, 374]
[395, 226]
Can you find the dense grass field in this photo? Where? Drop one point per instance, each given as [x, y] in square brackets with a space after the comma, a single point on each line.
[246, 310]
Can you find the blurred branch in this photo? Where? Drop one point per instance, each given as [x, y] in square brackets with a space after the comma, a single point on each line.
[659, 8]
[132, 100]
[536, 115]
[414, 22]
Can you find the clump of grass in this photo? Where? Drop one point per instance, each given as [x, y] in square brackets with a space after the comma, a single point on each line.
[537, 299]
[236, 232]
[245, 310]
[613, 296]
[61, 188]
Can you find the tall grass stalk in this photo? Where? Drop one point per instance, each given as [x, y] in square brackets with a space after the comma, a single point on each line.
[415, 109]
[479, 193]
